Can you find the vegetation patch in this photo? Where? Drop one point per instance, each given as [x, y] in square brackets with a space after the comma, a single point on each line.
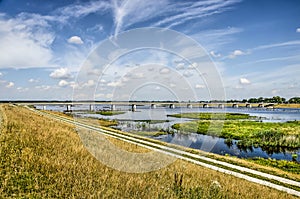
[109, 113]
[290, 166]
[214, 116]
[249, 133]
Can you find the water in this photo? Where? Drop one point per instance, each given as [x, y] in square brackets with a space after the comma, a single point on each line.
[137, 121]
[217, 145]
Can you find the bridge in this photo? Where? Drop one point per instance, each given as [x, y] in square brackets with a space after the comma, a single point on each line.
[134, 106]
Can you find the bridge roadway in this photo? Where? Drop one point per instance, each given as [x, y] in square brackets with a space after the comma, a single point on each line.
[269, 180]
[172, 105]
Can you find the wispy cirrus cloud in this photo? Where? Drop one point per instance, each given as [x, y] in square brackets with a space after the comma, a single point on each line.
[275, 45]
[194, 10]
[83, 9]
[166, 13]
[215, 39]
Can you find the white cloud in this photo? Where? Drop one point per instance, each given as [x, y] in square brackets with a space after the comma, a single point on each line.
[187, 74]
[193, 10]
[236, 53]
[1, 74]
[25, 41]
[164, 71]
[43, 87]
[274, 45]
[10, 84]
[89, 83]
[244, 81]
[172, 85]
[96, 28]
[127, 13]
[180, 66]
[214, 54]
[21, 89]
[33, 80]
[75, 40]
[114, 84]
[61, 73]
[63, 83]
[193, 66]
[83, 9]
[298, 30]
[199, 86]
[216, 38]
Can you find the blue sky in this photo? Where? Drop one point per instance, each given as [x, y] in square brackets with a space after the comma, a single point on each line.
[255, 44]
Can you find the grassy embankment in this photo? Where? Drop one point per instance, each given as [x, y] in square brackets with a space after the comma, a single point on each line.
[42, 158]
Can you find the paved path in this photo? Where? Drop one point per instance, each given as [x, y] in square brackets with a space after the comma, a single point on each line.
[223, 167]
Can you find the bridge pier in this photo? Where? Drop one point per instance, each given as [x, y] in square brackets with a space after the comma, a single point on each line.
[172, 106]
[113, 107]
[261, 105]
[248, 106]
[68, 107]
[205, 106]
[153, 106]
[221, 106]
[133, 107]
[44, 107]
[235, 105]
[92, 108]
[189, 106]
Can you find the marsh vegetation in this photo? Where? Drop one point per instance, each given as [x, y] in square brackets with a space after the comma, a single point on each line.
[248, 133]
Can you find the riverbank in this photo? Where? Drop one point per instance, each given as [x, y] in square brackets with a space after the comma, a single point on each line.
[43, 158]
[287, 106]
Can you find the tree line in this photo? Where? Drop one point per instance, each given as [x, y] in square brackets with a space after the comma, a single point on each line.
[275, 99]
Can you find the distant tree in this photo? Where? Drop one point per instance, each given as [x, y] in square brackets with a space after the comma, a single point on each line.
[252, 100]
[294, 100]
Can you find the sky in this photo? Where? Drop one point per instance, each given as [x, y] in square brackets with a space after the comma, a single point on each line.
[254, 46]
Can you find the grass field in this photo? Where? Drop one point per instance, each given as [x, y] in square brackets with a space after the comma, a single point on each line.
[41, 158]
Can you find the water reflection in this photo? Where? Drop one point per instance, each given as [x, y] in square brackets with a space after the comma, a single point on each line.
[231, 147]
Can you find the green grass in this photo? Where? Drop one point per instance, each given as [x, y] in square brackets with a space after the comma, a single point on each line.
[249, 133]
[289, 166]
[109, 113]
[214, 116]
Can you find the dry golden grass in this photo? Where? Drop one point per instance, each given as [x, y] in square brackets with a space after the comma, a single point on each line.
[41, 158]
